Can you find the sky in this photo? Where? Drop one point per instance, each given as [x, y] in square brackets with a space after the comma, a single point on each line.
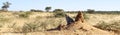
[68, 5]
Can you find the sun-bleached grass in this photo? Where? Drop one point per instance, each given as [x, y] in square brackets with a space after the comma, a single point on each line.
[43, 21]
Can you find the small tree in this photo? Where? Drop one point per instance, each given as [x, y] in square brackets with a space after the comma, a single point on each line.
[5, 6]
[47, 9]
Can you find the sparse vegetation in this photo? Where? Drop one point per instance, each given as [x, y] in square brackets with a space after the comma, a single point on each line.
[51, 21]
[45, 23]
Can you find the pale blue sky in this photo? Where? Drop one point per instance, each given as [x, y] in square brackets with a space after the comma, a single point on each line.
[64, 4]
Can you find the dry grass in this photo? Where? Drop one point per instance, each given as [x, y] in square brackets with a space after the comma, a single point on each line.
[43, 21]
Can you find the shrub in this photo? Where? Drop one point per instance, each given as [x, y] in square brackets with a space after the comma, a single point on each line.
[25, 14]
[21, 11]
[35, 26]
[33, 10]
[90, 11]
[4, 19]
[14, 28]
[30, 27]
[102, 25]
[12, 25]
[58, 10]
[1, 24]
[85, 16]
[59, 13]
[115, 26]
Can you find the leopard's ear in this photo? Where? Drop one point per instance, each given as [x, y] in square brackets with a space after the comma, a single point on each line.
[79, 17]
[69, 19]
